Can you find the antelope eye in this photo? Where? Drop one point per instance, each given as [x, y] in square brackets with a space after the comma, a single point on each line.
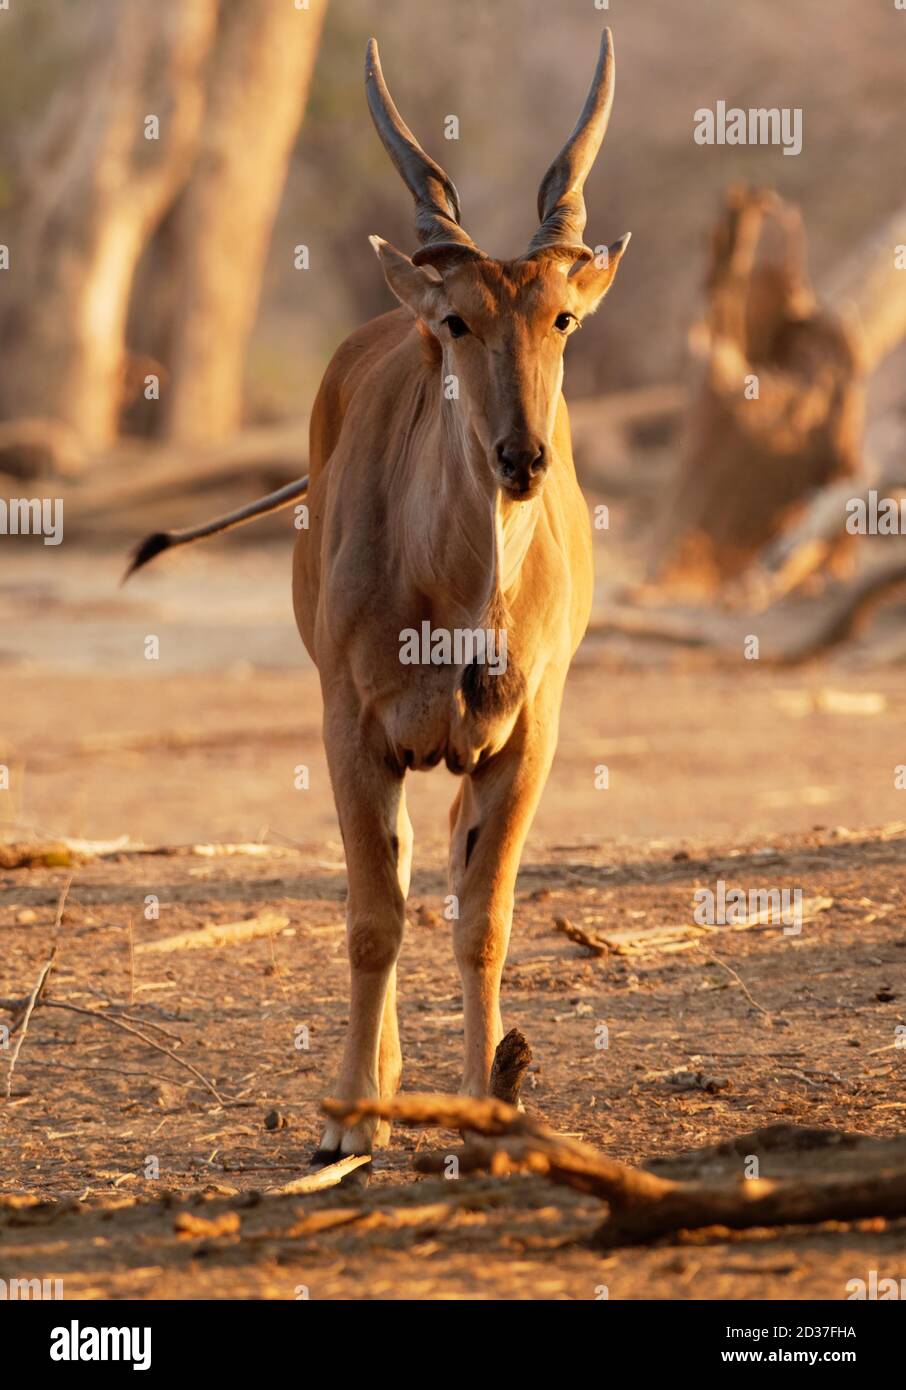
[457, 326]
[564, 322]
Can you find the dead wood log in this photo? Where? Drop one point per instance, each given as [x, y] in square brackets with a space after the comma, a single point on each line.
[682, 936]
[755, 1202]
[789, 634]
[779, 405]
[643, 1207]
[135, 475]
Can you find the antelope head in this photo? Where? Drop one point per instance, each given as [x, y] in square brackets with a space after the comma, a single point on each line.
[502, 326]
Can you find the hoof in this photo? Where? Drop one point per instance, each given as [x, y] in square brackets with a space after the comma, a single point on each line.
[357, 1177]
[322, 1157]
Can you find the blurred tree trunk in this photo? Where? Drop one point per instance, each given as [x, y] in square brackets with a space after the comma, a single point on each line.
[779, 407]
[216, 241]
[869, 290]
[89, 203]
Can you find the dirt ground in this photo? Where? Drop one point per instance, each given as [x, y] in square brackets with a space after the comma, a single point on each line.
[756, 778]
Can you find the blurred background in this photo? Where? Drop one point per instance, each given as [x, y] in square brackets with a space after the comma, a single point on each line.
[266, 106]
[186, 190]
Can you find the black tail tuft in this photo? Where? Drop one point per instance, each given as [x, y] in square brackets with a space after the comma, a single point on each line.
[150, 547]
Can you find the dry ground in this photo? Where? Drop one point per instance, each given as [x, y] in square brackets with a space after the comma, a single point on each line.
[757, 778]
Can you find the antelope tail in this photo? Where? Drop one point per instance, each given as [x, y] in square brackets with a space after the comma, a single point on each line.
[159, 541]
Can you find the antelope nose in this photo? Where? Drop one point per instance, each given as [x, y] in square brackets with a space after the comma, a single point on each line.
[522, 460]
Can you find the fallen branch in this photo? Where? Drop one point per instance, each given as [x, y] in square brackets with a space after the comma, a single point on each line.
[579, 1164]
[643, 1207]
[760, 1202]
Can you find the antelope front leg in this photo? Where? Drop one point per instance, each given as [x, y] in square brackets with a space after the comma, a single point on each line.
[491, 816]
[377, 836]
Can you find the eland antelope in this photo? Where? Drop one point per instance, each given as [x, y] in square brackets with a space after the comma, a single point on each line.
[443, 500]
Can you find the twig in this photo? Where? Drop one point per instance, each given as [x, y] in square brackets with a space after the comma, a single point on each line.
[146, 1022]
[22, 1024]
[117, 1021]
[15, 1006]
[730, 971]
[61, 903]
[101, 1067]
[581, 938]
[131, 963]
[745, 1052]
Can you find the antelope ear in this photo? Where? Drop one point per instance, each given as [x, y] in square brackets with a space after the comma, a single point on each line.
[592, 280]
[419, 290]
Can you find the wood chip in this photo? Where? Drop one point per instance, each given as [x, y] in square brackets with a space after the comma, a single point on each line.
[191, 1227]
[217, 934]
[322, 1178]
